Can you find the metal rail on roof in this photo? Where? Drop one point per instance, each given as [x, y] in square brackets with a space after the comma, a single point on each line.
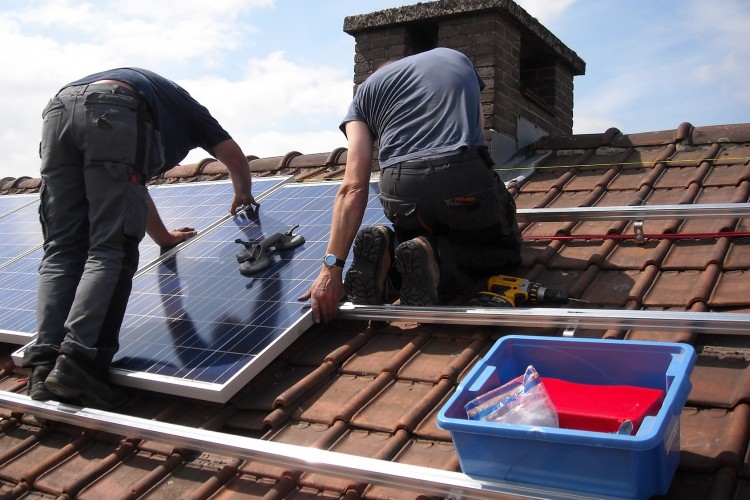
[540, 317]
[446, 484]
[640, 212]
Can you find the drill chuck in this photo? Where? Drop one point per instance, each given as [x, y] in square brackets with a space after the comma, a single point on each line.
[551, 296]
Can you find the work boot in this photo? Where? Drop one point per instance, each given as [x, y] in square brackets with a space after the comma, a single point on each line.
[68, 380]
[365, 281]
[420, 273]
[35, 387]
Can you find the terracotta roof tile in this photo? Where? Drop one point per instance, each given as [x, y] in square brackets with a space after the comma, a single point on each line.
[739, 132]
[577, 255]
[385, 352]
[340, 399]
[721, 378]
[694, 254]
[714, 438]
[738, 256]
[731, 289]
[267, 392]
[443, 357]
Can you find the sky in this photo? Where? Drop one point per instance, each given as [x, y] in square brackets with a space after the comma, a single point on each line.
[278, 74]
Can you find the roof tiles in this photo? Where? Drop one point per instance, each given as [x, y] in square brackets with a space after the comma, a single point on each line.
[374, 389]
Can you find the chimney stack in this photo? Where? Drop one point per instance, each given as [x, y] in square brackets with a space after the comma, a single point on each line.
[528, 71]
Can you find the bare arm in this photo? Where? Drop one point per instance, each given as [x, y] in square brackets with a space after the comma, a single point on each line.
[230, 154]
[348, 210]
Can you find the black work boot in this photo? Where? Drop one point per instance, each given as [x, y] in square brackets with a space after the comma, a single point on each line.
[365, 281]
[68, 380]
[420, 273]
[35, 387]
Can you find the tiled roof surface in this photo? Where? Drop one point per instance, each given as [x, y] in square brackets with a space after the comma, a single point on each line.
[374, 390]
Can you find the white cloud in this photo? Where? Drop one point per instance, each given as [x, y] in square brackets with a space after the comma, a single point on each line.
[270, 107]
[273, 108]
[546, 11]
[720, 58]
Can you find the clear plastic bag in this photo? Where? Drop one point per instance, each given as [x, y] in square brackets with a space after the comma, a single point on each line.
[523, 400]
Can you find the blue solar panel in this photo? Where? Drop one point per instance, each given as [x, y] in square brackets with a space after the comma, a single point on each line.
[20, 232]
[196, 327]
[18, 287]
[11, 203]
[197, 205]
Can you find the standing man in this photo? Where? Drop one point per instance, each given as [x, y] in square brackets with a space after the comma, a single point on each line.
[452, 215]
[103, 137]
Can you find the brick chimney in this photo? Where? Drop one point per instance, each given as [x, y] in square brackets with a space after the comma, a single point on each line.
[528, 71]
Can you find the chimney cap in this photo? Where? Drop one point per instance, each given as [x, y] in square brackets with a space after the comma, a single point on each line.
[426, 11]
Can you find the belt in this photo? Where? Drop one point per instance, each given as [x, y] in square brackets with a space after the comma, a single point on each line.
[109, 87]
[467, 155]
[100, 87]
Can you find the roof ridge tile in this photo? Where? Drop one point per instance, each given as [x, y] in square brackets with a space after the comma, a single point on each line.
[739, 132]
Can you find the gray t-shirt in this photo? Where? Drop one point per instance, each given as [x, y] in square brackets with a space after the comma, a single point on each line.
[420, 106]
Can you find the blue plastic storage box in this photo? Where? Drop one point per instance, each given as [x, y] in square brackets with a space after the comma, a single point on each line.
[636, 466]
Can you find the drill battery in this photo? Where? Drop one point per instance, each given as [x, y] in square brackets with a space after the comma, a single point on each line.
[489, 299]
[510, 291]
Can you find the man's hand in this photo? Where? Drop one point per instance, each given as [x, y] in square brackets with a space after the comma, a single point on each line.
[325, 294]
[238, 202]
[176, 236]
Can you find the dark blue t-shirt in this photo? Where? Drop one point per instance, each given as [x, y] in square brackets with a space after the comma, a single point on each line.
[420, 106]
[184, 123]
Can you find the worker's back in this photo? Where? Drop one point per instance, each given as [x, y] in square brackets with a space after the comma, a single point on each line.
[422, 106]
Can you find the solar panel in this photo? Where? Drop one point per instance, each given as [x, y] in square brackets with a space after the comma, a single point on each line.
[11, 203]
[20, 232]
[196, 327]
[196, 204]
[18, 286]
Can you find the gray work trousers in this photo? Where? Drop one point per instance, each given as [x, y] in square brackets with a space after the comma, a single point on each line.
[462, 206]
[93, 213]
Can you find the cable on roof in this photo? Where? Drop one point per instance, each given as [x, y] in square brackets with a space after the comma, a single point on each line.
[683, 162]
[652, 236]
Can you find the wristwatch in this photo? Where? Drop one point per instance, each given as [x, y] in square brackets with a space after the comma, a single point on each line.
[331, 260]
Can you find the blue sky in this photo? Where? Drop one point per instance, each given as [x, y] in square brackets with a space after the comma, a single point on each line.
[278, 73]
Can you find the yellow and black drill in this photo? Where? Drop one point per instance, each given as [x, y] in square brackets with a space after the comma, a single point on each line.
[510, 291]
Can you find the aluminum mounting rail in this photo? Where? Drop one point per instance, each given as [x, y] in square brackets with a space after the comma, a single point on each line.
[640, 212]
[446, 484]
[540, 317]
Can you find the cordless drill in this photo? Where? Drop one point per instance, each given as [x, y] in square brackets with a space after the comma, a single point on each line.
[509, 291]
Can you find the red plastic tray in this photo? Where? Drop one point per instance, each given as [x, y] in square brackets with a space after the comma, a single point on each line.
[601, 408]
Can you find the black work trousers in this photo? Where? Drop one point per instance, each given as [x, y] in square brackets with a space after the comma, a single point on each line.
[93, 213]
[462, 206]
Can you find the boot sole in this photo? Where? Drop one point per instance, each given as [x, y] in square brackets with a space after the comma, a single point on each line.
[412, 263]
[361, 283]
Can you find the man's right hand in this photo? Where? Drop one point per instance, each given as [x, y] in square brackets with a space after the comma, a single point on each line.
[176, 236]
[325, 294]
